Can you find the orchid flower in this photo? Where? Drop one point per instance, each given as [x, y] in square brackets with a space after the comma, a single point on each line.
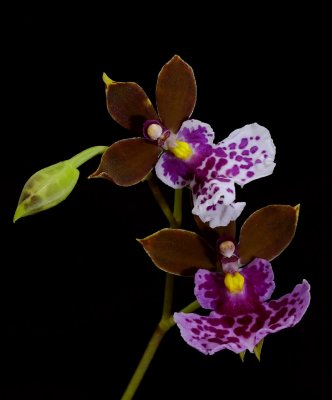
[241, 316]
[182, 149]
[237, 294]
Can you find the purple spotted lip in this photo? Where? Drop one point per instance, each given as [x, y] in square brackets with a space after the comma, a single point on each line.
[238, 321]
[213, 169]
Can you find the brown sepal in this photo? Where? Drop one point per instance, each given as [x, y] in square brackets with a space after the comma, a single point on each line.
[128, 161]
[128, 104]
[267, 232]
[179, 252]
[175, 93]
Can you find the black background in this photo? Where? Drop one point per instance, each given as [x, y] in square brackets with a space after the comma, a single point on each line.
[79, 297]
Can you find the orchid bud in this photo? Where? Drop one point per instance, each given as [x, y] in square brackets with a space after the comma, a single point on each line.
[51, 185]
[47, 188]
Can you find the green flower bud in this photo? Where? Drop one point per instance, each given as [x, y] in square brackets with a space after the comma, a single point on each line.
[47, 188]
[51, 185]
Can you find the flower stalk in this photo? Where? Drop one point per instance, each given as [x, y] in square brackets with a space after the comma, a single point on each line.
[164, 325]
[167, 321]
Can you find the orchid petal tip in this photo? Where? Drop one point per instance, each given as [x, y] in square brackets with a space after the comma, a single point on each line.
[108, 81]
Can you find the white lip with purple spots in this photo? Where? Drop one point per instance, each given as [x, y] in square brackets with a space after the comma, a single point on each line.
[212, 169]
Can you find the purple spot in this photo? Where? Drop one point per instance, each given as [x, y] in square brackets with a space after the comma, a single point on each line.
[241, 330]
[220, 152]
[222, 332]
[281, 313]
[243, 143]
[251, 137]
[258, 161]
[292, 312]
[253, 149]
[230, 190]
[232, 154]
[216, 340]
[227, 321]
[233, 171]
[211, 329]
[257, 137]
[221, 163]
[246, 320]
[214, 321]
[278, 304]
[259, 323]
[245, 153]
[195, 331]
[238, 158]
[250, 174]
[245, 166]
[232, 146]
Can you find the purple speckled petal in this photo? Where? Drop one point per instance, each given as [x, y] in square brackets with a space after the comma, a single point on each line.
[238, 330]
[178, 173]
[173, 172]
[211, 293]
[209, 334]
[207, 288]
[214, 201]
[196, 132]
[250, 154]
[200, 138]
[260, 275]
[286, 311]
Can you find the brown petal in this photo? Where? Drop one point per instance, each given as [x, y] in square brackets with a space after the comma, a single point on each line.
[128, 161]
[175, 93]
[267, 232]
[179, 252]
[128, 104]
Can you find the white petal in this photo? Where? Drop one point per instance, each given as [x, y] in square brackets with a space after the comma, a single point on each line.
[214, 202]
[251, 154]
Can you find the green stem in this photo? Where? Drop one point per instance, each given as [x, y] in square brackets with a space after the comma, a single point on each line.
[167, 320]
[168, 296]
[161, 200]
[162, 328]
[86, 155]
[144, 363]
[177, 208]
